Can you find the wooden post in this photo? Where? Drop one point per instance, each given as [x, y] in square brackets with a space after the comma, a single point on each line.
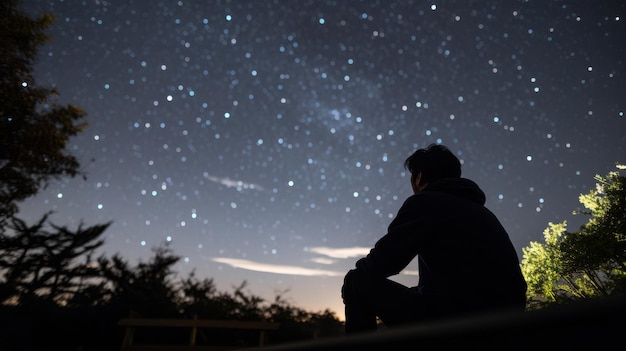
[194, 331]
[128, 338]
[129, 334]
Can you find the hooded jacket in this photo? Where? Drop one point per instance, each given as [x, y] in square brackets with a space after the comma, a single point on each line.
[465, 256]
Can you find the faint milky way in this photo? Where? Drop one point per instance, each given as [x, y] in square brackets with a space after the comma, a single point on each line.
[264, 140]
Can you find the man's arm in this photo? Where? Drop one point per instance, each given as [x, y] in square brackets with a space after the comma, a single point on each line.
[403, 241]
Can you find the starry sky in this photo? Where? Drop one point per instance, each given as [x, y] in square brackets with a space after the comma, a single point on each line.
[264, 141]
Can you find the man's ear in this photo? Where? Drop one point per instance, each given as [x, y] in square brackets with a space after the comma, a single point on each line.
[417, 183]
[417, 178]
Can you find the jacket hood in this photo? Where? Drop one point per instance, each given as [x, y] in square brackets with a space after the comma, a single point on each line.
[461, 187]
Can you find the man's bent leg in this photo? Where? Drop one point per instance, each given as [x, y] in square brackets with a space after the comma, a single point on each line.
[360, 315]
[366, 298]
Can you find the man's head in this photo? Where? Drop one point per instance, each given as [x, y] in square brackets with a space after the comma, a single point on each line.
[432, 163]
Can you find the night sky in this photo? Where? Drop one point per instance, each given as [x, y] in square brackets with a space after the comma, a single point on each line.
[264, 141]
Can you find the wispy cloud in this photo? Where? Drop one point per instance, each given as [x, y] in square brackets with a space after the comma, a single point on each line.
[346, 252]
[275, 268]
[231, 183]
[322, 260]
[331, 256]
[334, 253]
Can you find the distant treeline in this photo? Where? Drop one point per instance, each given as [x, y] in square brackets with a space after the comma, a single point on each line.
[55, 295]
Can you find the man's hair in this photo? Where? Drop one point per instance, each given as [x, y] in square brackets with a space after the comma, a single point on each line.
[434, 162]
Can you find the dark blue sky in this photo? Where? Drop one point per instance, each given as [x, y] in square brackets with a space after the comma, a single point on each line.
[264, 140]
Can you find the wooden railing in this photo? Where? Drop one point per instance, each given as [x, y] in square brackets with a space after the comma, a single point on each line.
[128, 344]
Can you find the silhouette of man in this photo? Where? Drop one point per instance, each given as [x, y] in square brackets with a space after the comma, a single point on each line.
[467, 263]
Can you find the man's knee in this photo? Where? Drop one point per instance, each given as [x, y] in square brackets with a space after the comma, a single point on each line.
[354, 282]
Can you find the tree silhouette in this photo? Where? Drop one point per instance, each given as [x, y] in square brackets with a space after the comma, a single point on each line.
[34, 128]
[148, 288]
[38, 264]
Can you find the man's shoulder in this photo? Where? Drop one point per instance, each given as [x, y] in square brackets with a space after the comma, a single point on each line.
[423, 200]
[456, 188]
[426, 195]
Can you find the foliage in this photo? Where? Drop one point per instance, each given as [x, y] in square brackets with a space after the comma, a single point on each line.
[589, 263]
[36, 263]
[34, 128]
[141, 288]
